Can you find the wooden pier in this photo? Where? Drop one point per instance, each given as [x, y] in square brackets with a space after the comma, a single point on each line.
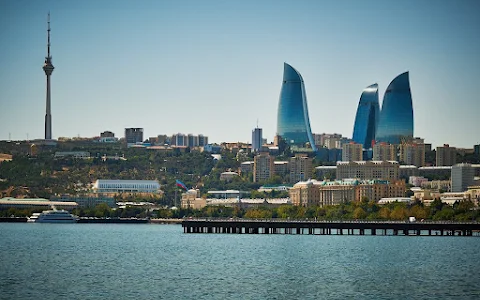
[279, 226]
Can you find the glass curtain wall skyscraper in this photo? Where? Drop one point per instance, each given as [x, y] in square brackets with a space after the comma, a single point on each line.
[396, 117]
[368, 115]
[293, 123]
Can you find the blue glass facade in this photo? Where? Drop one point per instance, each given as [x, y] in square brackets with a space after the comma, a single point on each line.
[368, 115]
[396, 116]
[293, 123]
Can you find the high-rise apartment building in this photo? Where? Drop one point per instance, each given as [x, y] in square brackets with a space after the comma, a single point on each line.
[257, 139]
[384, 151]
[293, 123]
[192, 140]
[352, 152]
[178, 139]
[462, 177]
[387, 170]
[368, 114]
[300, 168]
[133, 135]
[263, 167]
[396, 117]
[446, 155]
[202, 140]
[412, 154]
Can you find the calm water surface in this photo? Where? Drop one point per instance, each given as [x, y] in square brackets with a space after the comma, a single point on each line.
[115, 261]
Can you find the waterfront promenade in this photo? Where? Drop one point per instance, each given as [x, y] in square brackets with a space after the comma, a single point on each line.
[339, 227]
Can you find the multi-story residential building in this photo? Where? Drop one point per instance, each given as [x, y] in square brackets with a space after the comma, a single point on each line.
[313, 192]
[441, 172]
[405, 171]
[331, 141]
[327, 140]
[300, 168]
[257, 139]
[388, 170]
[384, 151]
[326, 172]
[133, 135]
[202, 140]
[462, 177]
[378, 189]
[246, 167]
[178, 139]
[192, 140]
[412, 154]
[263, 167]
[281, 167]
[352, 152]
[446, 155]
[182, 140]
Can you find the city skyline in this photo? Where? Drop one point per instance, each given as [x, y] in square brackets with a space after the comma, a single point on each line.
[214, 67]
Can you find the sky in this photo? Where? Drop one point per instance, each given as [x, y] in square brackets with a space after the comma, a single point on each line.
[216, 67]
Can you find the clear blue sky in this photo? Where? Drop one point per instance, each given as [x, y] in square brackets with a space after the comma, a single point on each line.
[215, 67]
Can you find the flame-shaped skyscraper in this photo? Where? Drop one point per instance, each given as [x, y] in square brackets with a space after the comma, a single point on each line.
[293, 123]
[396, 117]
[368, 115]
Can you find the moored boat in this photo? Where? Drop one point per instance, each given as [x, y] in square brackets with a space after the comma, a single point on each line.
[53, 216]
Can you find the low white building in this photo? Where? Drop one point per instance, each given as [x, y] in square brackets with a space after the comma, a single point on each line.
[126, 186]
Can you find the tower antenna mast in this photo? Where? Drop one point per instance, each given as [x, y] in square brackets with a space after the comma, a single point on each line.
[48, 69]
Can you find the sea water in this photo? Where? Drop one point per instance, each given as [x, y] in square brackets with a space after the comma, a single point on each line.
[133, 261]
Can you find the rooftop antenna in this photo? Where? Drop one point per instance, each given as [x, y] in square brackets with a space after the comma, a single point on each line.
[48, 33]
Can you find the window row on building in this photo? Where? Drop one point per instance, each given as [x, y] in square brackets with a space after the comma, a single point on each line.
[132, 186]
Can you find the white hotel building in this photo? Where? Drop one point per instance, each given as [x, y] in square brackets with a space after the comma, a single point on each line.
[126, 186]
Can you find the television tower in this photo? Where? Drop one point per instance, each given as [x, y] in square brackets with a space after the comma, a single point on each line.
[48, 69]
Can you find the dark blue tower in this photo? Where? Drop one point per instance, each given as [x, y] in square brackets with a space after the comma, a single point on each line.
[293, 123]
[396, 116]
[368, 115]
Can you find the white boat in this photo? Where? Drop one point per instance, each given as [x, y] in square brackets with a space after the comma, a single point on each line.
[53, 216]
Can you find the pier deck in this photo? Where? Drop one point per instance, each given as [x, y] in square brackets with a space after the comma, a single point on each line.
[279, 226]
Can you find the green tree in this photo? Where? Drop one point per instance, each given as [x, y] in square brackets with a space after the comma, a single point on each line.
[384, 213]
[359, 213]
[399, 213]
